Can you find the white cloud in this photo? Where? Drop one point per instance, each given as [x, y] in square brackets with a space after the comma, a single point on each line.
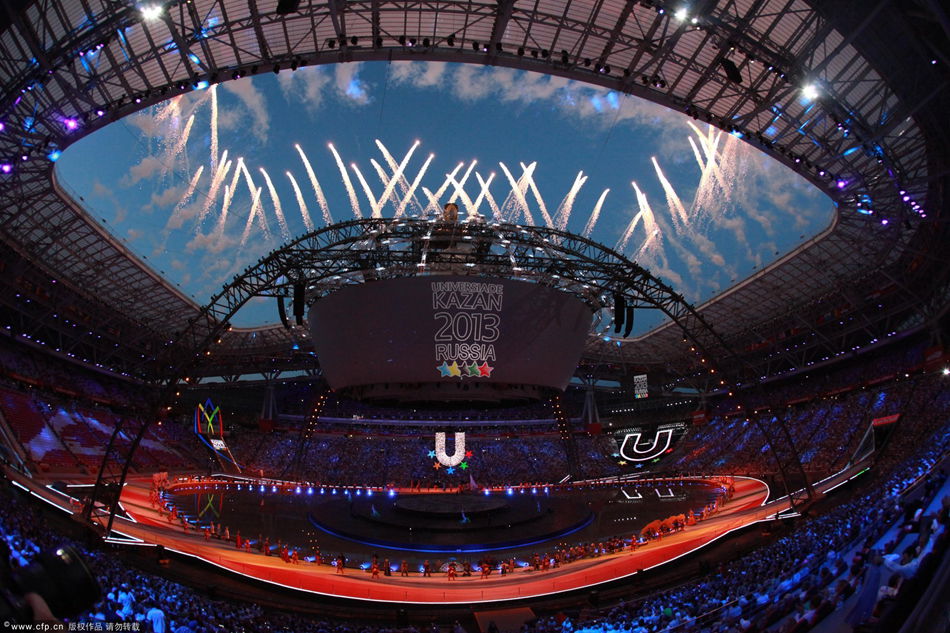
[166, 198]
[213, 243]
[307, 85]
[348, 84]
[100, 190]
[419, 74]
[253, 100]
[146, 168]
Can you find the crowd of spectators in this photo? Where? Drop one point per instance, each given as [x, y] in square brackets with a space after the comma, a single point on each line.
[357, 459]
[21, 366]
[785, 586]
[801, 578]
[826, 431]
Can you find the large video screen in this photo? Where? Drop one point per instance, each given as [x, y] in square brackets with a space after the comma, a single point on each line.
[466, 330]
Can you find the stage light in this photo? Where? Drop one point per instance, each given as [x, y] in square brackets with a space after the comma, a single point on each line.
[273, 488]
[681, 14]
[510, 492]
[297, 490]
[333, 492]
[71, 124]
[392, 493]
[487, 492]
[946, 371]
[810, 92]
[534, 491]
[54, 155]
[151, 12]
[369, 492]
[262, 488]
[322, 491]
[841, 184]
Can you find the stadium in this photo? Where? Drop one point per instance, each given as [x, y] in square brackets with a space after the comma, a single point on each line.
[463, 407]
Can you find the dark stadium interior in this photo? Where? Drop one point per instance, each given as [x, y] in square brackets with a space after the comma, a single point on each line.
[772, 460]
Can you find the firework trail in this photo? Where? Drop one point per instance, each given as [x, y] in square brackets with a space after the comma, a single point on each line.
[214, 127]
[366, 190]
[175, 220]
[255, 210]
[410, 194]
[622, 243]
[460, 185]
[317, 190]
[460, 193]
[485, 194]
[563, 213]
[278, 209]
[649, 223]
[354, 203]
[396, 178]
[183, 139]
[595, 215]
[389, 184]
[228, 195]
[537, 196]
[677, 210]
[223, 168]
[304, 213]
[516, 201]
[408, 191]
[434, 198]
[384, 178]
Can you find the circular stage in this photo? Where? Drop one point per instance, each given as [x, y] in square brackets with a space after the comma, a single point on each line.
[514, 522]
[442, 505]
[452, 523]
[280, 513]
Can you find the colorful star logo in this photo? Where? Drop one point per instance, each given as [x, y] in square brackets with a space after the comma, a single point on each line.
[450, 470]
[444, 371]
[468, 454]
[432, 454]
[437, 465]
[484, 370]
[454, 369]
[463, 465]
[472, 370]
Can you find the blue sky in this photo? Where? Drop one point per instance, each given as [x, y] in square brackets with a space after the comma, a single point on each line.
[706, 209]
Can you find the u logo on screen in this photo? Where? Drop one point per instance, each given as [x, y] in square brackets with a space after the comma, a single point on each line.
[457, 456]
[642, 453]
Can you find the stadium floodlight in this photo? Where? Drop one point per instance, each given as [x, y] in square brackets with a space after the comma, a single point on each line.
[810, 92]
[151, 12]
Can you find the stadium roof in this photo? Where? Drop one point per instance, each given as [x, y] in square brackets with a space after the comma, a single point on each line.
[874, 137]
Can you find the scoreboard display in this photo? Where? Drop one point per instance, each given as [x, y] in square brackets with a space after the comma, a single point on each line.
[441, 333]
[640, 387]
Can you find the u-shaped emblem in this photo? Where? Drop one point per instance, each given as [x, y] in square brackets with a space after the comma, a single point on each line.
[642, 454]
[457, 456]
